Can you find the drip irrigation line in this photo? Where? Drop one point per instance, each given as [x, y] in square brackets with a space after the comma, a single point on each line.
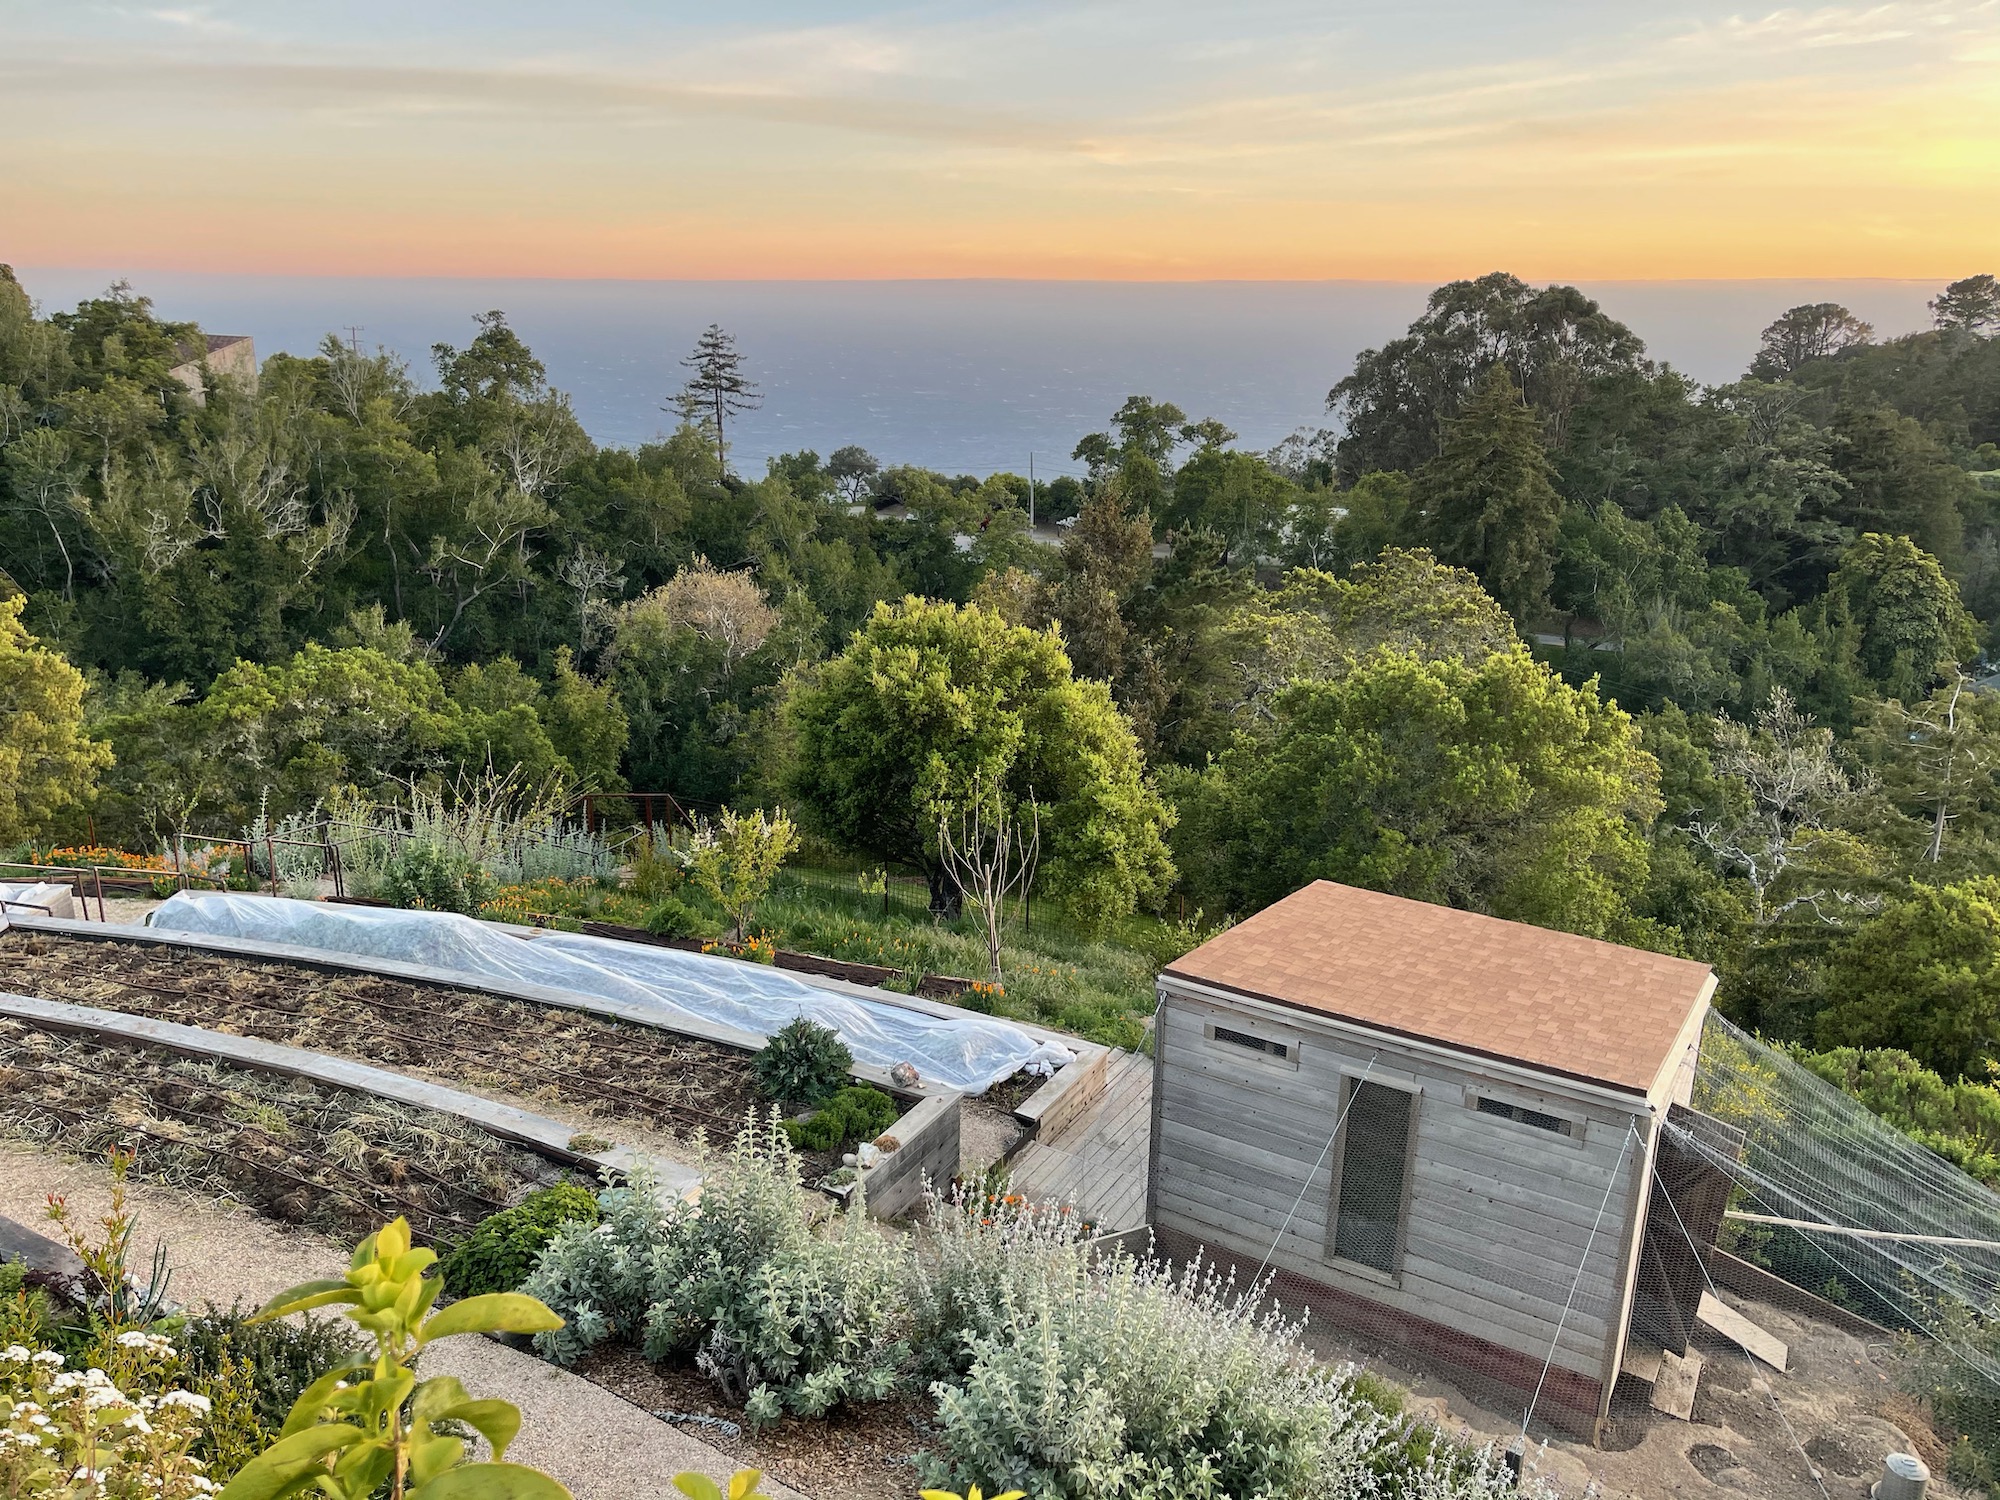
[1631, 1128]
[660, 1107]
[1313, 1175]
[1756, 1378]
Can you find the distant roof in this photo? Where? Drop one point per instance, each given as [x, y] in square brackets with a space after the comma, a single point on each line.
[1548, 1000]
[219, 341]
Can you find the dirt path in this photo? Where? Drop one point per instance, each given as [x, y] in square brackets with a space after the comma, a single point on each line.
[598, 1444]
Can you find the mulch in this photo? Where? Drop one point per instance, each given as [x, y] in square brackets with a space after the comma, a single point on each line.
[858, 1453]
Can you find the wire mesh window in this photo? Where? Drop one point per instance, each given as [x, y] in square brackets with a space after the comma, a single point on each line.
[1374, 1162]
[1253, 1043]
[1555, 1124]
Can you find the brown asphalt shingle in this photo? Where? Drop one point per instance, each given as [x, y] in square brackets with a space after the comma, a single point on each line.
[1568, 1004]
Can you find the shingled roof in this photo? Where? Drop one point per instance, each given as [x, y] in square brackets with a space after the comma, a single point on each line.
[1550, 1000]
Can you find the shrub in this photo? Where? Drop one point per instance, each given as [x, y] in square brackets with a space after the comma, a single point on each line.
[429, 876]
[60, 1426]
[803, 1063]
[672, 917]
[284, 1358]
[857, 1113]
[1069, 1376]
[253, 1373]
[781, 1319]
[598, 1278]
[28, 1314]
[498, 1255]
[735, 858]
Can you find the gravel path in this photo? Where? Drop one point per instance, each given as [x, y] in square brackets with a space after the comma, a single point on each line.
[598, 1444]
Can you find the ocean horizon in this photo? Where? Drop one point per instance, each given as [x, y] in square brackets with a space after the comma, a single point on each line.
[968, 377]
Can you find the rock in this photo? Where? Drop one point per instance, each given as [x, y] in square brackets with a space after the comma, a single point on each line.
[905, 1075]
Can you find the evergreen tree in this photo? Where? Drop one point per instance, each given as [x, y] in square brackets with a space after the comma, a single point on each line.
[1488, 500]
[718, 389]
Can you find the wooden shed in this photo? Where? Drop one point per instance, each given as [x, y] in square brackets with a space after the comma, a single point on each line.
[1436, 1128]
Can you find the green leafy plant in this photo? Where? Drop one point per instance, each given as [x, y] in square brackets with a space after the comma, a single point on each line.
[119, 1299]
[802, 1063]
[856, 1113]
[431, 877]
[734, 859]
[497, 1256]
[671, 917]
[743, 1485]
[253, 1372]
[369, 1424]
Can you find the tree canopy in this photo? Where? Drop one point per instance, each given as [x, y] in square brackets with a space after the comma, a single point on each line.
[929, 696]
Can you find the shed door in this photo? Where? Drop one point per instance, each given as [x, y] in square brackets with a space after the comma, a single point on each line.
[1672, 1273]
[1374, 1171]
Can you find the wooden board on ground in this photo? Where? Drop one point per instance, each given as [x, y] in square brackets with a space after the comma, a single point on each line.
[1641, 1363]
[1673, 1390]
[1738, 1329]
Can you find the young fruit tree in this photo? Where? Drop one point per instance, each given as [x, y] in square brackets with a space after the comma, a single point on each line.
[990, 851]
[735, 858]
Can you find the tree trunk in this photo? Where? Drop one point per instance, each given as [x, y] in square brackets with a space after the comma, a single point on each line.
[947, 900]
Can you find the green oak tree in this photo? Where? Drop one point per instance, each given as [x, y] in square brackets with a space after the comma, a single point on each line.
[1923, 977]
[929, 696]
[1491, 785]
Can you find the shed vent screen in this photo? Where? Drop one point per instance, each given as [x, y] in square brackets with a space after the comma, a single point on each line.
[1534, 1117]
[1368, 1228]
[1254, 1043]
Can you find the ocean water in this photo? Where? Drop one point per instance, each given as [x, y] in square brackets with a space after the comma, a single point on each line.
[963, 376]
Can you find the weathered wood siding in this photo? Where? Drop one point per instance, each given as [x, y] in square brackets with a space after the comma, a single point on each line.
[1499, 1212]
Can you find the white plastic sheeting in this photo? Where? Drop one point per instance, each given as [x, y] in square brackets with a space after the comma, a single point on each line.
[968, 1052]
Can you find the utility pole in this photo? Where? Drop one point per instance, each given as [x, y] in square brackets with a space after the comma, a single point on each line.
[353, 339]
[1031, 489]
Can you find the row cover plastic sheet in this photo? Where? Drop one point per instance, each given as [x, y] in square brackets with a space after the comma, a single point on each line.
[969, 1052]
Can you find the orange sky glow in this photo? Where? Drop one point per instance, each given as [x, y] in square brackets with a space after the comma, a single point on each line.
[1414, 143]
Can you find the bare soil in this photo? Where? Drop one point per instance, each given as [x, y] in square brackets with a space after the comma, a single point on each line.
[605, 1069]
[1828, 1421]
[297, 1152]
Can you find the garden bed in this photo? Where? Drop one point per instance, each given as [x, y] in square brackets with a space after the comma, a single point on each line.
[858, 1453]
[621, 1073]
[608, 1069]
[298, 1152]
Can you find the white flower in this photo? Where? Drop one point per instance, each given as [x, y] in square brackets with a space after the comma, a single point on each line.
[16, 1353]
[47, 1357]
[134, 1340]
[188, 1399]
[138, 1423]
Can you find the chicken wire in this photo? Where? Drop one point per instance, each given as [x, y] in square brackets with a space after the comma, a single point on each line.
[661, 985]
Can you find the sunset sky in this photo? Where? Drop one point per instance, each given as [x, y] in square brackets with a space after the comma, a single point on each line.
[1394, 139]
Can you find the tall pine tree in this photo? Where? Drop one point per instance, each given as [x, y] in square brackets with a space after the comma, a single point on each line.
[1487, 500]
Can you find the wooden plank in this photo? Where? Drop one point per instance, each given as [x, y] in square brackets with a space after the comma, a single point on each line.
[1642, 1363]
[1732, 1325]
[1674, 1386]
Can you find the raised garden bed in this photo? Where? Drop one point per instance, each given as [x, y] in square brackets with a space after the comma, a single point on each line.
[613, 1070]
[610, 1069]
[295, 1151]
